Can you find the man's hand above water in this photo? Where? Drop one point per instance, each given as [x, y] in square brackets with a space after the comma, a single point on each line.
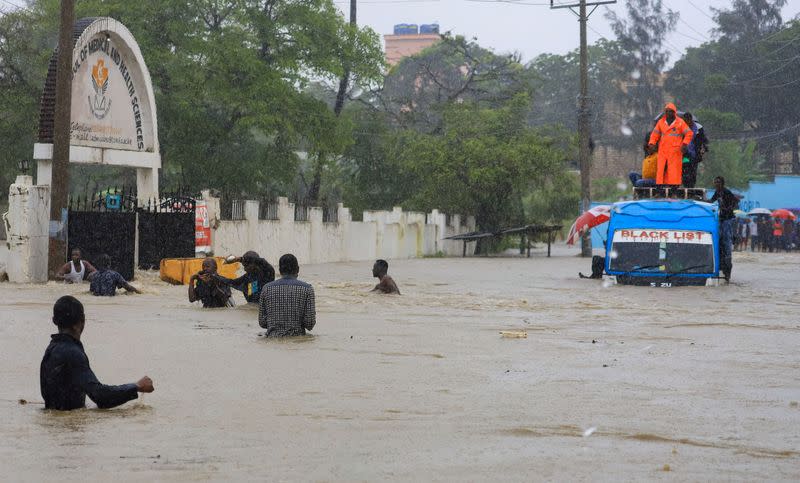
[145, 384]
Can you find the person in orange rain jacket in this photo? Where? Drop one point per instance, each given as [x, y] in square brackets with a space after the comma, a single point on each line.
[673, 137]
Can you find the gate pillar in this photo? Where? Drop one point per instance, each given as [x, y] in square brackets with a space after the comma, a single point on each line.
[146, 184]
[28, 225]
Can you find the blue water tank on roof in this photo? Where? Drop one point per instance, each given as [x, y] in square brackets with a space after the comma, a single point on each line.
[405, 29]
[429, 28]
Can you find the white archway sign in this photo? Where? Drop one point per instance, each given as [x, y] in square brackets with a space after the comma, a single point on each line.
[113, 110]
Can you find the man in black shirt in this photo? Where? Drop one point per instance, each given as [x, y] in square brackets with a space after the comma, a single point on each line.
[203, 286]
[65, 376]
[727, 203]
[258, 273]
[696, 149]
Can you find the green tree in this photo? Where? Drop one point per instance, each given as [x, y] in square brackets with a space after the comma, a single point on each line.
[229, 76]
[749, 70]
[556, 200]
[748, 20]
[555, 82]
[26, 40]
[737, 162]
[642, 58]
[417, 90]
[482, 163]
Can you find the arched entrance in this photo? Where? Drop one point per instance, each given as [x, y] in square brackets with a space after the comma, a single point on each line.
[113, 112]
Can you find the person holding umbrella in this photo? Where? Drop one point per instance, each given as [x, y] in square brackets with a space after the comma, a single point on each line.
[754, 239]
[588, 220]
[788, 235]
[777, 234]
[786, 219]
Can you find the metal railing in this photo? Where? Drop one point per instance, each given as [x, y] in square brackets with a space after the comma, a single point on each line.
[237, 209]
[330, 215]
[300, 213]
[267, 210]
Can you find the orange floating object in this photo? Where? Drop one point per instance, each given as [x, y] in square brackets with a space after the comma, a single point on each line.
[178, 271]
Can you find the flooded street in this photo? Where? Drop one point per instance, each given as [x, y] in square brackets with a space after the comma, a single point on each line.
[612, 383]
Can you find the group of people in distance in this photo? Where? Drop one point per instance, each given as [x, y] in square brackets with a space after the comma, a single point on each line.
[286, 307]
[673, 150]
[763, 233]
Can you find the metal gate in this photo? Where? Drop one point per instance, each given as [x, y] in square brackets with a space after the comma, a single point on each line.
[104, 224]
[166, 230]
[107, 223]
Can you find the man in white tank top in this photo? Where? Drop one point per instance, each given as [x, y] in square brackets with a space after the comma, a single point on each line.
[76, 270]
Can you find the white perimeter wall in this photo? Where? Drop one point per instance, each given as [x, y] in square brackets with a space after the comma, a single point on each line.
[383, 234]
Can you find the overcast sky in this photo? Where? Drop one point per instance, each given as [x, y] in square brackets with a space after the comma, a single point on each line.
[530, 27]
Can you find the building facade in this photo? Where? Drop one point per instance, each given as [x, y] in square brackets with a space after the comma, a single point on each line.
[408, 40]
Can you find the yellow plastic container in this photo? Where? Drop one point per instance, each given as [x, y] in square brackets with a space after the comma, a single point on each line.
[178, 271]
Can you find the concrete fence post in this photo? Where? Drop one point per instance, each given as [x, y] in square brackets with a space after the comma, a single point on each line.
[251, 208]
[344, 219]
[315, 240]
[28, 235]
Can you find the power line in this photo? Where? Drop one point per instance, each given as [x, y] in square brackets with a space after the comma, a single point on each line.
[692, 28]
[700, 9]
[688, 36]
[18, 7]
[764, 76]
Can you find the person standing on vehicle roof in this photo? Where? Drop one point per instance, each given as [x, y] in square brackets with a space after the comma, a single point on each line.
[697, 148]
[727, 219]
[673, 137]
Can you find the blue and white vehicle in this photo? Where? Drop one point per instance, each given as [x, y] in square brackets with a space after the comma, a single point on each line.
[663, 243]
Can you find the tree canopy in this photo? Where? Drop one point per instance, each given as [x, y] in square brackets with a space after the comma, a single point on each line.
[230, 79]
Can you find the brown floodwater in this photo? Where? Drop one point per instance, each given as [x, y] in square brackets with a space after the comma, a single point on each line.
[612, 383]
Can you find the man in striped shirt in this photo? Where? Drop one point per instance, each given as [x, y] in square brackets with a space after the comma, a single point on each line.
[286, 306]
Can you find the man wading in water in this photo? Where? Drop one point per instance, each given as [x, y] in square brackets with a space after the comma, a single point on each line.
[258, 273]
[65, 376]
[76, 270]
[203, 286]
[287, 305]
[381, 271]
[105, 281]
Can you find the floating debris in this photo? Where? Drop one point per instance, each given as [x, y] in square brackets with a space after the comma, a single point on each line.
[514, 334]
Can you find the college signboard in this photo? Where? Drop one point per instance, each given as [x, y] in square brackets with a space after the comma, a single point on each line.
[113, 110]
[108, 90]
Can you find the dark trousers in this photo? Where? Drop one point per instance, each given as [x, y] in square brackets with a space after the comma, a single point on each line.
[726, 228]
[689, 176]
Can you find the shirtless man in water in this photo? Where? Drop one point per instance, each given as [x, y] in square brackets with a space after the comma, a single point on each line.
[76, 270]
[380, 271]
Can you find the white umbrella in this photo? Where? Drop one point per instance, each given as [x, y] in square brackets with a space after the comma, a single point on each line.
[759, 211]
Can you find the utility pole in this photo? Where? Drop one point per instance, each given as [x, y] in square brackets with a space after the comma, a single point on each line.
[59, 184]
[337, 108]
[584, 135]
